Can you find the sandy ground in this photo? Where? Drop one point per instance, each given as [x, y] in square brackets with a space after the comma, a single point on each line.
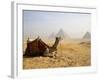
[71, 53]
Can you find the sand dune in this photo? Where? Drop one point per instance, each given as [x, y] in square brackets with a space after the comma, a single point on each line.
[72, 53]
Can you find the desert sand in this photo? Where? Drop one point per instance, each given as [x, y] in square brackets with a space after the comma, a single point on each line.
[70, 53]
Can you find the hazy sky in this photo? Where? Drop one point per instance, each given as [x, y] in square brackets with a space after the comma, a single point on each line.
[42, 23]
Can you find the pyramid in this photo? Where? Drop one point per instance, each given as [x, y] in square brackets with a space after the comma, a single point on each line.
[52, 36]
[62, 34]
[87, 36]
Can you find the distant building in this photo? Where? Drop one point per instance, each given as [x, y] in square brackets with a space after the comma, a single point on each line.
[87, 36]
[62, 34]
[52, 36]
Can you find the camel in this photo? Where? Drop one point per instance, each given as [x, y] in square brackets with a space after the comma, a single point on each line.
[39, 48]
[52, 51]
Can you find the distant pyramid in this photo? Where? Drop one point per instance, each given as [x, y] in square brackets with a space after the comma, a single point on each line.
[87, 36]
[52, 36]
[62, 34]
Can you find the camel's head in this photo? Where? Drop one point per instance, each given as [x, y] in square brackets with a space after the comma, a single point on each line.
[58, 38]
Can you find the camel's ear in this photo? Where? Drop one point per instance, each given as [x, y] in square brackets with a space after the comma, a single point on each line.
[59, 38]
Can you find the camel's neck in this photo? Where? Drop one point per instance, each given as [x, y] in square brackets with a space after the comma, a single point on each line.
[55, 44]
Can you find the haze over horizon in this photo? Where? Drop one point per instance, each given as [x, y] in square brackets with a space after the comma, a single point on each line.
[43, 23]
